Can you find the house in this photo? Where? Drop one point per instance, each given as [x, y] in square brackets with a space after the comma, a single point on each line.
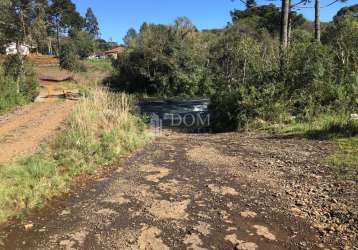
[11, 49]
[97, 55]
[113, 53]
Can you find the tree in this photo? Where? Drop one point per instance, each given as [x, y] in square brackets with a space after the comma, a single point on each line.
[103, 45]
[84, 43]
[346, 11]
[64, 17]
[130, 39]
[15, 25]
[91, 23]
[317, 20]
[39, 27]
[284, 23]
[250, 4]
[265, 17]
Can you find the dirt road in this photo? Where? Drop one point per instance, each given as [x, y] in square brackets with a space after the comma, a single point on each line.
[226, 191]
[22, 131]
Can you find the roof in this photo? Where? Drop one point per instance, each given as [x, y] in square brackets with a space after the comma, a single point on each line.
[116, 50]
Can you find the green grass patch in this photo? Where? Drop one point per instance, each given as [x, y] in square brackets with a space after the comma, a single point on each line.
[345, 159]
[99, 131]
[100, 65]
[324, 127]
[339, 128]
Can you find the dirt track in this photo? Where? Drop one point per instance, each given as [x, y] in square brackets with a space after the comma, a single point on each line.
[22, 131]
[227, 191]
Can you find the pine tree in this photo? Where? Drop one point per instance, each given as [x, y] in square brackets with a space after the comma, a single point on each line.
[91, 23]
[250, 4]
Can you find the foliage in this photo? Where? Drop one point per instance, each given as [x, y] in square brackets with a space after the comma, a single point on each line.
[338, 127]
[130, 39]
[69, 59]
[18, 83]
[345, 159]
[91, 23]
[243, 70]
[9, 97]
[346, 11]
[342, 37]
[166, 60]
[84, 43]
[104, 45]
[266, 17]
[104, 65]
[39, 29]
[100, 130]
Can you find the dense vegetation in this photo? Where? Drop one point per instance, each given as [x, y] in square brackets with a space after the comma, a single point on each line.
[18, 83]
[250, 77]
[49, 27]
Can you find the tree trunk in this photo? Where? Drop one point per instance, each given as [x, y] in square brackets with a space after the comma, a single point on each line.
[317, 22]
[58, 39]
[21, 71]
[284, 23]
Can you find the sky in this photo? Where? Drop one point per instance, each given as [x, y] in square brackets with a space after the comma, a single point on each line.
[117, 16]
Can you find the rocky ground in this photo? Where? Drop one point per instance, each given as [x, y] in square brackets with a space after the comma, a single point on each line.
[187, 191]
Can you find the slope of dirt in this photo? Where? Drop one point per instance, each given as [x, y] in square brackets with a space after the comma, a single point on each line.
[22, 131]
[226, 191]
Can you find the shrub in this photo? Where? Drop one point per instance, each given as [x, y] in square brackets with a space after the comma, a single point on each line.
[84, 43]
[165, 60]
[18, 83]
[69, 58]
[8, 93]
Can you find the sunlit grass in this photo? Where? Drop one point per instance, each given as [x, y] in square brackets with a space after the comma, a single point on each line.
[99, 131]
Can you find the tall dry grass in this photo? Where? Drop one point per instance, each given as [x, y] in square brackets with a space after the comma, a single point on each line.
[99, 131]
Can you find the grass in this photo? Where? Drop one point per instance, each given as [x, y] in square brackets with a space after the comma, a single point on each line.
[339, 128]
[100, 64]
[345, 159]
[99, 131]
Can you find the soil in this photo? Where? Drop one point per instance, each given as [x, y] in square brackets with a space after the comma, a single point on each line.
[23, 130]
[203, 191]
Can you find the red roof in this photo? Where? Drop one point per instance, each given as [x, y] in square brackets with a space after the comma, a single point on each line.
[116, 50]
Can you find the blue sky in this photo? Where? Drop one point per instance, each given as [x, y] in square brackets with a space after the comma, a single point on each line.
[117, 16]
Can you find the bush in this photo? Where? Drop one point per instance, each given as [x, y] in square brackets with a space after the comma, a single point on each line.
[246, 87]
[165, 60]
[69, 58]
[8, 93]
[18, 83]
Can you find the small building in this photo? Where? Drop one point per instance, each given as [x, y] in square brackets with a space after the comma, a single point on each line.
[11, 49]
[113, 53]
[97, 55]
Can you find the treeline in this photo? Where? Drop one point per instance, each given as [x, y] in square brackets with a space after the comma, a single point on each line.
[246, 70]
[49, 27]
[46, 25]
